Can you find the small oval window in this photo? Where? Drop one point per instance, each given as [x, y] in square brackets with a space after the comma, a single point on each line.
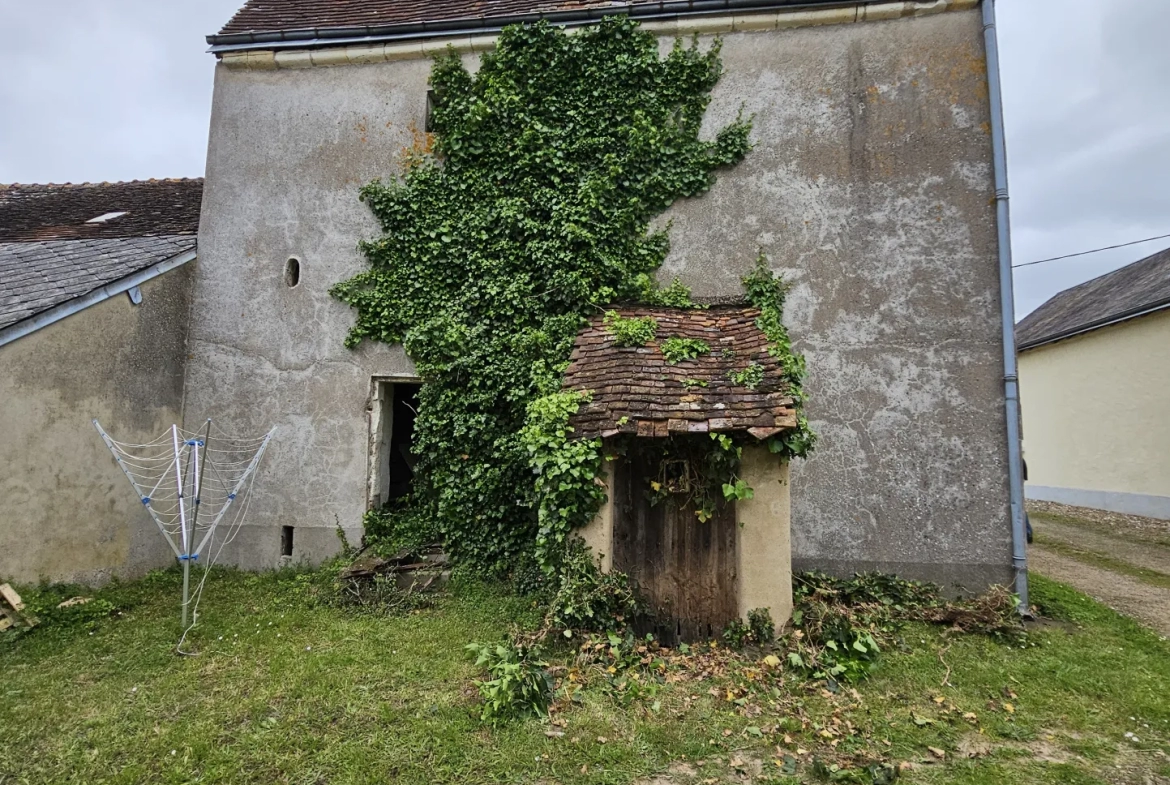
[292, 271]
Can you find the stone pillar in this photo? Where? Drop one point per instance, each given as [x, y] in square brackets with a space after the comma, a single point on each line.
[763, 546]
[598, 535]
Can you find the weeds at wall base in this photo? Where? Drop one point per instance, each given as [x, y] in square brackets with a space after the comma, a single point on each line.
[837, 636]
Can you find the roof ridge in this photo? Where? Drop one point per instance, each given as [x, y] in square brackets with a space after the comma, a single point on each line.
[88, 184]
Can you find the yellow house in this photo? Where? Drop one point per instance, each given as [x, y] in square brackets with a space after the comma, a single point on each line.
[1094, 369]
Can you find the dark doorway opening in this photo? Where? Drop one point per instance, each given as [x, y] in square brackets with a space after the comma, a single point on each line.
[393, 407]
[400, 460]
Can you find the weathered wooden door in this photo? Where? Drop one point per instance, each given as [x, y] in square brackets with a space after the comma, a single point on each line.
[684, 568]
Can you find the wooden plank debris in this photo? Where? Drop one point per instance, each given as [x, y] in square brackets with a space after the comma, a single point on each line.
[11, 597]
[12, 611]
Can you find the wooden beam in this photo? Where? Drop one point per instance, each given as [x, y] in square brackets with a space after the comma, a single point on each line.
[11, 597]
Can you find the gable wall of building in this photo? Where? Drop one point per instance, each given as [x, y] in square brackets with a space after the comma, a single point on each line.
[68, 513]
[869, 187]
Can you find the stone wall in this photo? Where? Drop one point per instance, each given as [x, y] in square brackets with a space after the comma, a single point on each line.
[869, 187]
[68, 513]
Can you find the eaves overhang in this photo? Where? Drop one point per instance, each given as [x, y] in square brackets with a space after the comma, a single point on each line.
[487, 25]
[1088, 327]
[102, 293]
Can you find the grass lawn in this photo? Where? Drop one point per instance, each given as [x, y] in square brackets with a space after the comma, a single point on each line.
[284, 690]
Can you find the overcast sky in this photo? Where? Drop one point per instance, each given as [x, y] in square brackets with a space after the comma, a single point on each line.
[121, 89]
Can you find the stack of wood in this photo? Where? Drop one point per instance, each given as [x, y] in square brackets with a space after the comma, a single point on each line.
[12, 612]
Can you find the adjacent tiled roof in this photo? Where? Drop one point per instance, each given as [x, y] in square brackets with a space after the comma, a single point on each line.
[36, 276]
[1134, 289]
[301, 19]
[272, 15]
[60, 212]
[50, 255]
[637, 384]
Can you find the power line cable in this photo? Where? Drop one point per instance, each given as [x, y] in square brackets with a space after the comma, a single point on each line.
[1095, 250]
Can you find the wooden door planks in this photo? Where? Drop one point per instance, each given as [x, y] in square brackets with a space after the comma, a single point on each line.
[685, 568]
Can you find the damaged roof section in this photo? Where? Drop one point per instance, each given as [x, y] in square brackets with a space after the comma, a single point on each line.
[636, 390]
[59, 243]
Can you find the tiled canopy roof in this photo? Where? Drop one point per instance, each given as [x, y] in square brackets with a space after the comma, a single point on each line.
[1135, 289]
[50, 253]
[637, 383]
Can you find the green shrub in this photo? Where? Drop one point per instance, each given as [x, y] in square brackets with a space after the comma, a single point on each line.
[630, 331]
[749, 377]
[677, 295]
[529, 580]
[736, 634]
[534, 209]
[675, 350]
[589, 600]
[518, 682]
[566, 470]
[759, 630]
[835, 647]
[399, 525]
[767, 291]
[762, 628]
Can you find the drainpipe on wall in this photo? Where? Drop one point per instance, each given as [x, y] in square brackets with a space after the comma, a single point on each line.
[1011, 382]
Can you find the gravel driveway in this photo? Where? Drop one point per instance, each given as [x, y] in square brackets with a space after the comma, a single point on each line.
[1121, 560]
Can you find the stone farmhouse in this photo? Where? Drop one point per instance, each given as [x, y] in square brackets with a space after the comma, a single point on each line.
[872, 188]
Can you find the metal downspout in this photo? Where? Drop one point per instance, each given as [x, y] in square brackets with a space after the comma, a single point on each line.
[1011, 386]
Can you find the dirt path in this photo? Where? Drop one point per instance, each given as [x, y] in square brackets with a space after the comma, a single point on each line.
[1125, 564]
[1149, 604]
[1121, 546]
[1130, 526]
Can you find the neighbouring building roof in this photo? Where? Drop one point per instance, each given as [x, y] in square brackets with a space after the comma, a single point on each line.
[635, 390]
[292, 20]
[52, 250]
[1134, 290]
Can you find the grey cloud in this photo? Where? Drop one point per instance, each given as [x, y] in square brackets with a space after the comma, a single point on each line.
[1088, 133]
[105, 91]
